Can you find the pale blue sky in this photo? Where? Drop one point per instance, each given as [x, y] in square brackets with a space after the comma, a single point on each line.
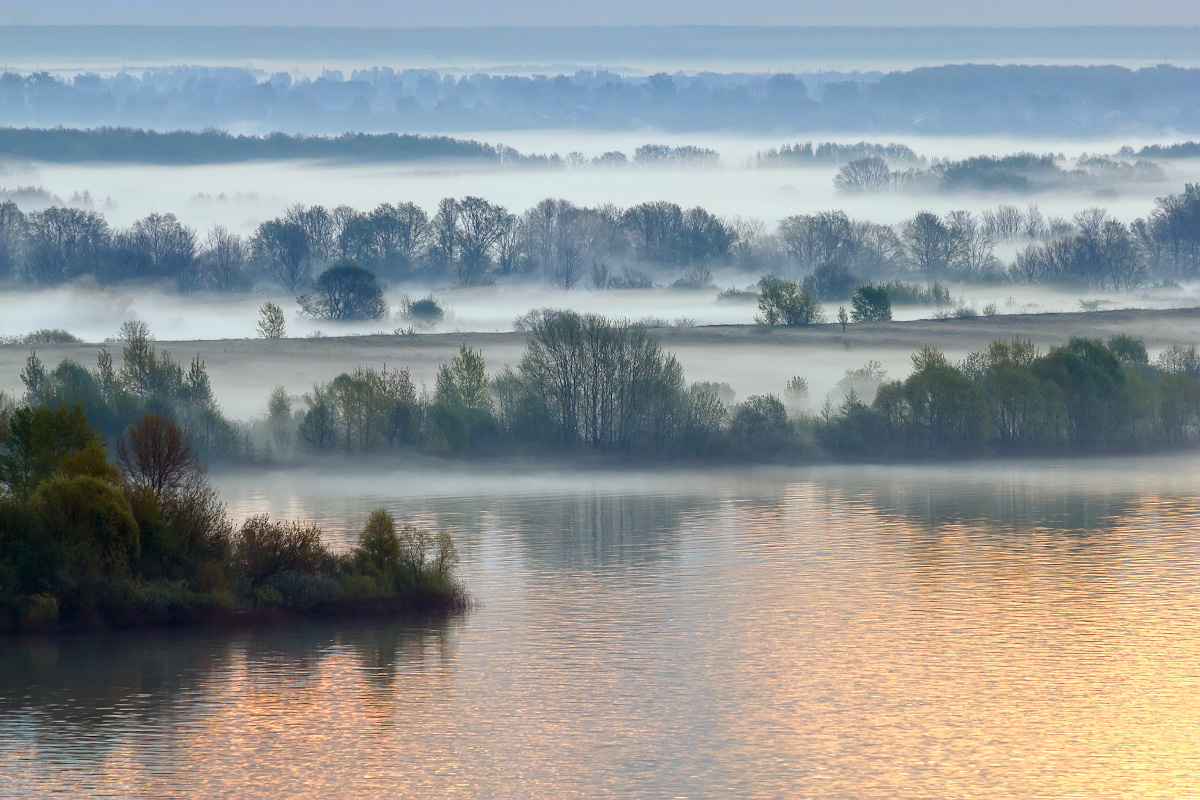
[604, 12]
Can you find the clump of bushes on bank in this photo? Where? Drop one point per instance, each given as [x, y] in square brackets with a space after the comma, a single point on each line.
[138, 536]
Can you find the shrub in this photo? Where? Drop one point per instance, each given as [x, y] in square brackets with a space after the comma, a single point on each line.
[302, 590]
[264, 548]
[89, 523]
[783, 302]
[43, 336]
[425, 311]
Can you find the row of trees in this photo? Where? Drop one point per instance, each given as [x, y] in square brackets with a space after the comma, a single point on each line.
[587, 384]
[1017, 173]
[1081, 397]
[147, 381]
[948, 99]
[1092, 247]
[472, 241]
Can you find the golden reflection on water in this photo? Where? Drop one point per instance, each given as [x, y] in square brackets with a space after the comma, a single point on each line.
[870, 634]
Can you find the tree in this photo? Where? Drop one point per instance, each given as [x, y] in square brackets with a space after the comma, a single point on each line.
[317, 225]
[464, 383]
[444, 236]
[223, 259]
[36, 440]
[976, 253]
[14, 230]
[1128, 350]
[64, 243]
[345, 291]
[842, 318]
[271, 322]
[786, 303]
[279, 417]
[864, 175]
[284, 250]
[401, 233]
[160, 246]
[600, 384]
[157, 454]
[480, 226]
[760, 426]
[652, 227]
[831, 281]
[931, 246]
[871, 303]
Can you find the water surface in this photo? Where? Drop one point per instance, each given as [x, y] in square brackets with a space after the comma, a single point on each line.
[1007, 630]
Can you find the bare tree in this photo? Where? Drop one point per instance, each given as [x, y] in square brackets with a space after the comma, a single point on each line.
[64, 243]
[157, 454]
[481, 225]
[283, 248]
[931, 246]
[14, 229]
[164, 246]
[976, 256]
[319, 229]
[864, 175]
[1005, 223]
[224, 259]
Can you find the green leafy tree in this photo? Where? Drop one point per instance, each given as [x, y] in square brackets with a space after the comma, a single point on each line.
[345, 291]
[787, 303]
[871, 303]
[271, 322]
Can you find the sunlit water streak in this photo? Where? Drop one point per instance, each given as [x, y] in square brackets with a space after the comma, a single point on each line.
[1007, 630]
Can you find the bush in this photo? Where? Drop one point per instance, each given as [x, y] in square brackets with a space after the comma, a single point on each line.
[917, 294]
[425, 312]
[871, 303]
[787, 303]
[264, 548]
[302, 590]
[89, 523]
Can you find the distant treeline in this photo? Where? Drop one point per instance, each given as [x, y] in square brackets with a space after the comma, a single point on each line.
[952, 99]
[471, 241]
[132, 145]
[1017, 173]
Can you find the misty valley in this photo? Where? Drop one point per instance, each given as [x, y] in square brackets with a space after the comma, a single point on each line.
[585, 411]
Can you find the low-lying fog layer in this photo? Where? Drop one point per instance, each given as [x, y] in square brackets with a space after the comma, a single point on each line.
[240, 196]
[95, 313]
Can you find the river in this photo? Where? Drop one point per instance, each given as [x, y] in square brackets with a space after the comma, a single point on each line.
[999, 630]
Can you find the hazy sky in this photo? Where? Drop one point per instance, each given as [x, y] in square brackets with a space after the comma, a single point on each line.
[608, 12]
